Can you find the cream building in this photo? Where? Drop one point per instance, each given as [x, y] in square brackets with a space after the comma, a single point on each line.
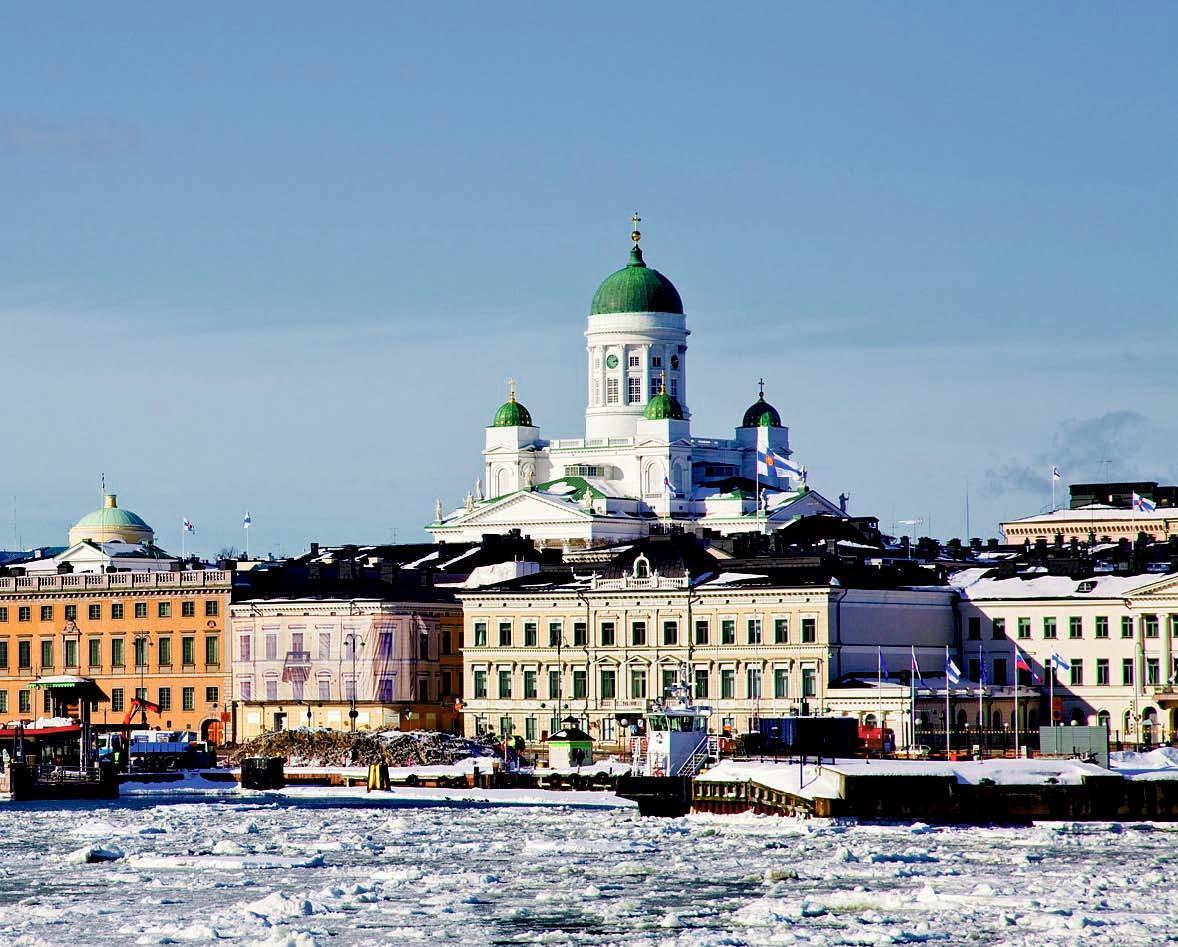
[602, 647]
[1115, 631]
[1094, 523]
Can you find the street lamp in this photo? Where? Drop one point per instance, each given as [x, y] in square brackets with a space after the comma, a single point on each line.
[353, 641]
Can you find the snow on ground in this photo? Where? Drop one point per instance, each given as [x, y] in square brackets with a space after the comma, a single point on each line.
[1159, 763]
[284, 871]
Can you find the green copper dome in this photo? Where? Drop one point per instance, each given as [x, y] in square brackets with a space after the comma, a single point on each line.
[762, 414]
[662, 407]
[636, 288]
[512, 414]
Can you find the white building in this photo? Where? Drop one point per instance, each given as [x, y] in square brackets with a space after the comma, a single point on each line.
[638, 462]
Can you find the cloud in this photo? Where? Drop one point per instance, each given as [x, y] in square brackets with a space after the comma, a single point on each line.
[1079, 448]
[19, 134]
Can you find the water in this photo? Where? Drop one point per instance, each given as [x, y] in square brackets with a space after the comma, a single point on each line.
[301, 874]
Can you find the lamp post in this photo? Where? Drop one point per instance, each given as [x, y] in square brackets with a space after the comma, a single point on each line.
[142, 643]
[353, 641]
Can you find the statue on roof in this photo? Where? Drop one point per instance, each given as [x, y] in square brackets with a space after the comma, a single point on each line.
[438, 510]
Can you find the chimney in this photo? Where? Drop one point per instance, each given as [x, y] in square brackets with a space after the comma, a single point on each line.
[314, 549]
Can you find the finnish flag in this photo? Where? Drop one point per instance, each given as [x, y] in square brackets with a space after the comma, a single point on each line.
[1058, 662]
[1143, 504]
[245, 524]
[952, 673]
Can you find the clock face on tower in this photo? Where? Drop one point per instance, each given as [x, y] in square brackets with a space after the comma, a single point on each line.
[674, 361]
[611, 361]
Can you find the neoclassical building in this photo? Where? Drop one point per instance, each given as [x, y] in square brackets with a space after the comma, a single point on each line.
[638, 462]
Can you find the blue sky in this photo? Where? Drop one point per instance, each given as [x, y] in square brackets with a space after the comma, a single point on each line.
[282, 258]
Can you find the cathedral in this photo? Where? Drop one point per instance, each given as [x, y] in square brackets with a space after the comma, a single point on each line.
[638, 463]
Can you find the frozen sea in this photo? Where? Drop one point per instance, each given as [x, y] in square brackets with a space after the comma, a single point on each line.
[301, 873]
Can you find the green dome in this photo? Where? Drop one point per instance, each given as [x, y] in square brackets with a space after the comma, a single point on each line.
[636, 288]
[112, 517]
[512, 414]
[662, 407]
[762, 414]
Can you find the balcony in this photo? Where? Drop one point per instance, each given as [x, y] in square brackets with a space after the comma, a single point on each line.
[296, 667]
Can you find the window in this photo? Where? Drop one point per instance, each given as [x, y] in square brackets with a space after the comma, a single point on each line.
[580, 633]
[637, 683]
[1101, 626]
[213, 695]
[505, 726]
[608, 634]
[447, 684]
[94, 612]
[702, 684]
[633, 389]
[139, 647]
[243, 648]
[1076, 673]
[555, 635]
[611, 391]
[46, 654]
[247, 690]
[165, 699]
[1102, 674]
[580, 684]
[505, 634]
[1127, 672]
[3, 654]
[94, 645]
[1000, 672]
[480, 634]
[998, 629]
[212, 651]
[656, 361]
[728, 631]
[1151, 626]
[727, 683]
[24, 613]
[638, 633]
[4, 613]
[656, 385]
[530, 729]
[71, 652]
[529, 685]
[46, 613]
[754, 631]
[505, 684]
[212, 608]
[116, 652]
[140, 609]
[188, 651]
[781, 631]
[674, 387]
[272, 690]
[116, 610]
[324, 688]
[1152, 672]
[609, 685]
[752, 683]
[188, 698]
[71, 613]
[975, 628]
[3, 702]
[531, 634]
[163, 610]
[24, 655]
[1126, 626]
[701, 631]
[188, 609]
[24, 702]
[1049, 630]
[1024, 628]
[480, 685]
[1075, 627]
[635, 361]
[780, 683]
[670, 632]
[809, 682]
[554, 686]
[325, 646]
[809, 630]
[444, 642]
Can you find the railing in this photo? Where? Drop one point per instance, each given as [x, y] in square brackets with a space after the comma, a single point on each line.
[192, 578]
[639, 582]
[715, 443]
[699, 756]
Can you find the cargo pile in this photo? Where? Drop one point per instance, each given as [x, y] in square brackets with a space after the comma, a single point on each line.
[341, 748]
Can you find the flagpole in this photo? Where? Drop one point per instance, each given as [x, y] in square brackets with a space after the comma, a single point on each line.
[981, 678]
[1051, 693]
[1016, 702]
[948, 745]
[879, 685]
[912, 709]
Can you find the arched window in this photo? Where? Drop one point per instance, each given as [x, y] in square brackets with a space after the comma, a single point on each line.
[1032, 719]
[869, 721]
[1078, 717]
[997, 720]
[962, 718]
[642, 568]
[502, 481]
[1104, 719]
[654, 478]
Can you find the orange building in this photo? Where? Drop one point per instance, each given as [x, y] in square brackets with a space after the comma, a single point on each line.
[129, 616]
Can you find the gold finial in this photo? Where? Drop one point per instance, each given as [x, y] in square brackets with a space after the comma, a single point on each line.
[663, 382]
[511, 389]
[636, 220]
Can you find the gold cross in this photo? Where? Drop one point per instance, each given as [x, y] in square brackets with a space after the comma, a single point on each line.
[636, 220]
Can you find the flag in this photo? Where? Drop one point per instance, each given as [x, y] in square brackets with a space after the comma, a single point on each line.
[1020, 664]
[1143, 504]
[983, 678]
[667, 484]
[1054, 473]
[1057, 662]
[952, 673]
[916, 668]
[772, 466]
[883, 664]
[245, 524]
[188, 527]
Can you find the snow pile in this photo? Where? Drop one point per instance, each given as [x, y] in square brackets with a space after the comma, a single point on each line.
[342, 748]
[1161, 762]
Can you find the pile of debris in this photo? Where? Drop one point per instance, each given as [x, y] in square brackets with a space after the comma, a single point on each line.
[341, 748]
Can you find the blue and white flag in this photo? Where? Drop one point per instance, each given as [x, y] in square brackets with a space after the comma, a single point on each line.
[1054, 473]
[983, 678]
[670, 487]
[1057, 662]
[245, 524]
[916, 668]
[188, 527]
[1143, 504]
[952, 672]
[771, 466]
[883, 664]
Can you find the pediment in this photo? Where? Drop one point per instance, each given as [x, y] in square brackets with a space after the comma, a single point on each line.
[522, 507]
[1165, 586]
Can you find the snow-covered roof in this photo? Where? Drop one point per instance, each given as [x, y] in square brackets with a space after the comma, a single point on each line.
[1054, 586]
[1095, 511]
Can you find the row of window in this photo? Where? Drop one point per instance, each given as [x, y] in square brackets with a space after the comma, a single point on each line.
[638, 637]
[300, 690]
[117, 611]
[1050, 627]
[637, 678]
[118, 699]
[94, 656]
[300, 644]
[1075, 673]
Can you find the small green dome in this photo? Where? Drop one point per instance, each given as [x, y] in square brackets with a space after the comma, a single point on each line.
[511, 413]
[112, 517]
[636, 288]
[662, 407]
[762, 414]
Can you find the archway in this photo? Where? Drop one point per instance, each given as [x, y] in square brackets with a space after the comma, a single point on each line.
[1078, 717]
[1104, 719]
[212, 732]
[1149, 726]
[996, 720]
[962, 718]
[1032, 719]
